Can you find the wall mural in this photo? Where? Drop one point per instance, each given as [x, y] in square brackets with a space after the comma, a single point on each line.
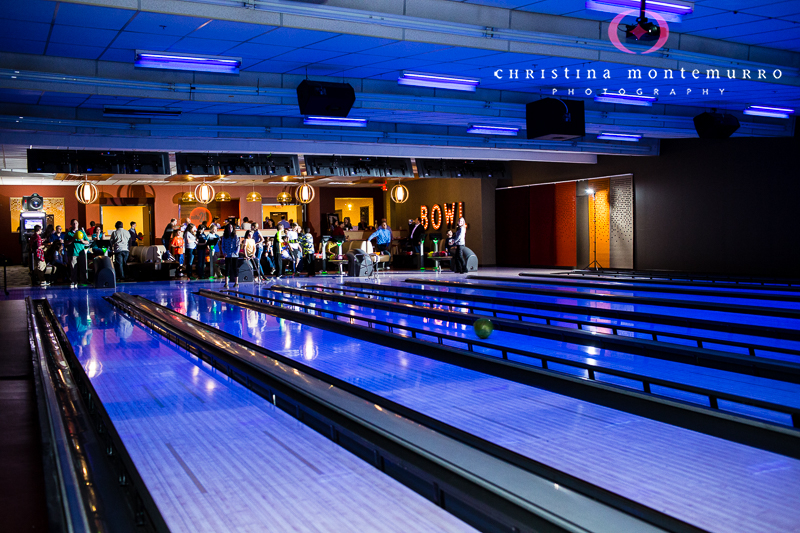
[54, 207]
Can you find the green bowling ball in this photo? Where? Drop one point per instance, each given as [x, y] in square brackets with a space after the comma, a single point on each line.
[483, 328]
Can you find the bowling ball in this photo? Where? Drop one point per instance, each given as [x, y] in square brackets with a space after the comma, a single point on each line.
[80, 236]
[483, 328]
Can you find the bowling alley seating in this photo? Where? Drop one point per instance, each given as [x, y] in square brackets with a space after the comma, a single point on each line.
[381, 260]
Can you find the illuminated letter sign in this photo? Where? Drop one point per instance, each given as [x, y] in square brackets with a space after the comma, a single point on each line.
[436, 222]
[448, 214]
[423, 216]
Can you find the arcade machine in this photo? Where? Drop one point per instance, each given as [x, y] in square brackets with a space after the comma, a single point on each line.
[32, 215]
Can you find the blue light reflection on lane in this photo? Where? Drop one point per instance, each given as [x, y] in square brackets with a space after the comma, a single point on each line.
[242, 451]
[583, 310]
[648, 461]
[748, 386]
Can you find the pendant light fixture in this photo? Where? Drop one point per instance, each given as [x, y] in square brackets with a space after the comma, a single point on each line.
[86, 193]
[204, 193]
[305, 193]
[284, 198]
[222, 196]
[253, 196]
[399, 193]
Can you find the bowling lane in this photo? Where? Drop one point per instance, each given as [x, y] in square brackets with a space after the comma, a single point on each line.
[779, 392]
[670, 309]
[627, 285]
[217, 457]
[661, 466]
[608, 291]
[446, 296]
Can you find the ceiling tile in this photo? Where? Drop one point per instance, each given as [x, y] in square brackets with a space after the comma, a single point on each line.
[92, 16]
[293, 37]
[161, 24]
[81, 36]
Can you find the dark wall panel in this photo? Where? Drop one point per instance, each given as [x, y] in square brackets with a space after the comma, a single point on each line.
[512, 220]
[542, 225]
[704, 205]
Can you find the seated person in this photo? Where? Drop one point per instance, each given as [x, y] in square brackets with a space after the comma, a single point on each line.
[338, 230]
[56, 257]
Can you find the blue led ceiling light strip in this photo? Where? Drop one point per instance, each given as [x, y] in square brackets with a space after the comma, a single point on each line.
[192, 62]
[335, 121]
[438, 81]
[492, 130]
[769, 111]
[627, 99]
[626, 137]
[671, 11]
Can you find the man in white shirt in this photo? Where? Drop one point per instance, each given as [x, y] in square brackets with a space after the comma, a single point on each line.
[294, 244]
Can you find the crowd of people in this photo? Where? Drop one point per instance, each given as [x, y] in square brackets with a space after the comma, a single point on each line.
[212, 251]
[193, 247]
[56, 255]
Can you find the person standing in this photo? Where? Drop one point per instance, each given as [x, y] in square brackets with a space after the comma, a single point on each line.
[133, 239]
[283, 223]
[166, 237]
[37, 256]
[307, 243]
[259, 240]
[76, 242]
[249, 250]
[277, 242]
[383, 235]
[178, 248]
[120, 240]
[201, 251]
[229, 246]
[416, 235]
[191, 244]
[91, 230]
[213, 252]
[459, 240]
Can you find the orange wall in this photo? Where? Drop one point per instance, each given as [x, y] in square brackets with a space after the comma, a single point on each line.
[9, 241]
[602, 224]
[165, 205]
[566, 254]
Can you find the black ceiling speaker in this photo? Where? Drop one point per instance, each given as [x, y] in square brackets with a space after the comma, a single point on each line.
[715, 125]
[554, 119]
[325, 99]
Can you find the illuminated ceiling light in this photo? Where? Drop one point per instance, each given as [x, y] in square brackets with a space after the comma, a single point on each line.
[193, 62]
[284, 198]
[204, 193]
[628, 137]
[305, 193]
[438, 81]
[627, 99]
[86, 193]
[767, 111]
[671, 10]
[253, 196]
[222, 196]
[492, 130]
[335, 121]
[188, 197]
[399, 193]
